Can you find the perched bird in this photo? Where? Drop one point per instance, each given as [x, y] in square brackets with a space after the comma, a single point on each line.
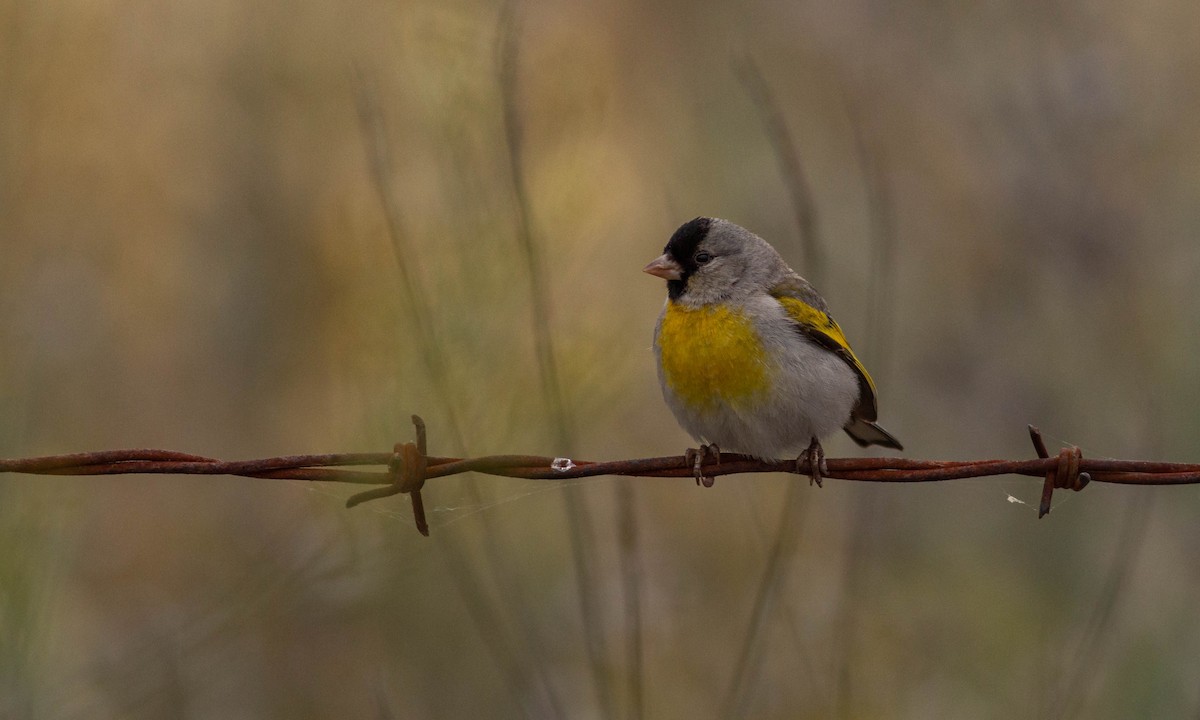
[749, 359]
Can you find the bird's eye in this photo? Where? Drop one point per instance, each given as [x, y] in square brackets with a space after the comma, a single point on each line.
[703, 257]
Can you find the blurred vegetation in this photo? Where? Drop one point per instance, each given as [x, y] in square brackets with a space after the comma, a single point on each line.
[195, 256]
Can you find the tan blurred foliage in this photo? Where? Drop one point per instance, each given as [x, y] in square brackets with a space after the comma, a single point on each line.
[194, 255]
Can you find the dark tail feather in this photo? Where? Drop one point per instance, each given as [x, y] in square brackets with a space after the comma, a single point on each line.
[865, 432]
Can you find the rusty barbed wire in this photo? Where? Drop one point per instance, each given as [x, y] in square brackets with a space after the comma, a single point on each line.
[409, 467]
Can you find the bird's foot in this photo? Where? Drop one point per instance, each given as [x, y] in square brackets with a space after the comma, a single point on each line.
[695, 457]
[813, 460]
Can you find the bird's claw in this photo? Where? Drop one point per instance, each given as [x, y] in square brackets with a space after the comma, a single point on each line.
[813, 460]
[695, 457]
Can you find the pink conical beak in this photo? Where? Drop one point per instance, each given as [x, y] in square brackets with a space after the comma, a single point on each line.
[664, 267]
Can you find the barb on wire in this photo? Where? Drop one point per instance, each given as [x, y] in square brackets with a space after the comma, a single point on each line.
[408, 468]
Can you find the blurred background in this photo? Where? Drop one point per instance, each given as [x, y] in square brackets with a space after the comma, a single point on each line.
[251, 229]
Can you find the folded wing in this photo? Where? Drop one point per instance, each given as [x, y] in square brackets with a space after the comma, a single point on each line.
[808, 312]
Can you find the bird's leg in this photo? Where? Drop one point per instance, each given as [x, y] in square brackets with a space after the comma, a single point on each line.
[814, 458]
[695, 458]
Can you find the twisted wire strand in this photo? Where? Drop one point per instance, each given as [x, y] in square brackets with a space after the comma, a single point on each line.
[407, 468]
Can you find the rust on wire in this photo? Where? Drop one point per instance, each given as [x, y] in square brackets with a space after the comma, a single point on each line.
[1065, 475]
[409, 466]
[406, 469]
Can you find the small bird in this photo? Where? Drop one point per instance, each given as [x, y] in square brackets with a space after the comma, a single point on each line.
[749, 359]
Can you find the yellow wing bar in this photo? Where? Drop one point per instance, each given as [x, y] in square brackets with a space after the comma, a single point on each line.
[825, 330]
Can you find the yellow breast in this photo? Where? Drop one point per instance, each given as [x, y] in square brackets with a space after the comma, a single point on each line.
[711, 356]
